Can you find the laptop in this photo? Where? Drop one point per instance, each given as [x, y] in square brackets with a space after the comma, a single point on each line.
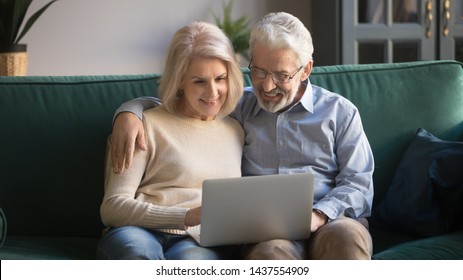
[255, 209]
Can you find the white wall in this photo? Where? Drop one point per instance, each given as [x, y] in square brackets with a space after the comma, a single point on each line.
[102, 37]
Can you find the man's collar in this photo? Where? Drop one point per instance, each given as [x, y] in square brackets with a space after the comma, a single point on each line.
[307, 97]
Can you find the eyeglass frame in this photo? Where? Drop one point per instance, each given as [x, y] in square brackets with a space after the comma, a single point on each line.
[288, 77]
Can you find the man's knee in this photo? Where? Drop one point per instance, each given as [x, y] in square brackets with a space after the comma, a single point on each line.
[343, 238]
[277, 249]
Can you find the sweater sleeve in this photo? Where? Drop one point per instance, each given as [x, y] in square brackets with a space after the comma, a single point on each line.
[120, 206]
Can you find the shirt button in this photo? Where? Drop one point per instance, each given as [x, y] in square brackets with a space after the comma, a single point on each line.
[324, 146]
[281, 143]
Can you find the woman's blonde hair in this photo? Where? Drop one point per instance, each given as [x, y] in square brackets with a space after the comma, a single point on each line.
[199, 40]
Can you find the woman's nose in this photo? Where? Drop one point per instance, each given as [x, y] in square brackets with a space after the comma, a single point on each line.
[212, 90]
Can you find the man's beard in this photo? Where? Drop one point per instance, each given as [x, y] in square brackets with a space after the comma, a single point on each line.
[272, 106]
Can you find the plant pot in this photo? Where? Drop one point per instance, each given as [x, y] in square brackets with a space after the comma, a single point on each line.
[13, 60]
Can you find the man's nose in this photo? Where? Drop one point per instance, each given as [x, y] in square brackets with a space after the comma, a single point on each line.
[268, 84]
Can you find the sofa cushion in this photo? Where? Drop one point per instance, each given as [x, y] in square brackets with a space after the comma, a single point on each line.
[443, 247]
[48, 248]
[425, 195]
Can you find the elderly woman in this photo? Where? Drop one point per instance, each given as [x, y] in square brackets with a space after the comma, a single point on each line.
[189, 138]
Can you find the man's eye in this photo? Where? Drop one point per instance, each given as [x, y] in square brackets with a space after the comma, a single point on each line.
[281, 76]
[259, 73]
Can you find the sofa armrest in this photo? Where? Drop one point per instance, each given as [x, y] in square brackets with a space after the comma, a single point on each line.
[2, 227]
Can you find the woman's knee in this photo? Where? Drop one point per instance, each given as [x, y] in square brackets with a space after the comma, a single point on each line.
[130, 243]
[187, 249]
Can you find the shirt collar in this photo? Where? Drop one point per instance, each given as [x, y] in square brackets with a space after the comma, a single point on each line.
[307, 97]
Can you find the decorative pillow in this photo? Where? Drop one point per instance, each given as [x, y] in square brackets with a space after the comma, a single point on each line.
[2, 228]
[425, 197]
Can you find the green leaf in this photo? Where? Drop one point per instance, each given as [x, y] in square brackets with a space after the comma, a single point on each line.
[8, 17]
[237, 30]
[19, 12]
[12, 15]
[32, 20]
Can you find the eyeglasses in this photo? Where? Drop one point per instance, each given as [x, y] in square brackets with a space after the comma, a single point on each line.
[277, 78]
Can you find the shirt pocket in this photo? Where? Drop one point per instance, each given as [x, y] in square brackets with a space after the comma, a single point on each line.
[320, 154]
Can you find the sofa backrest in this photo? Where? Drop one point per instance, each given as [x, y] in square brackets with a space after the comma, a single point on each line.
[54, 132]
[52, 149]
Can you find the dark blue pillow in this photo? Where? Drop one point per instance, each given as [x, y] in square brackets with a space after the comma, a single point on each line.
[425, 197]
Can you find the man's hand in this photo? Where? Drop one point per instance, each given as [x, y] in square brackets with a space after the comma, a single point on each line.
[127, 131]
[318, 220]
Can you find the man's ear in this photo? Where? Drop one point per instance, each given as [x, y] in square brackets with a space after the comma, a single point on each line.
[306, 71]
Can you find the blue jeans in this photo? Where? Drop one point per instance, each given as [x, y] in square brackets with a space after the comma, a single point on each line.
[138, 243]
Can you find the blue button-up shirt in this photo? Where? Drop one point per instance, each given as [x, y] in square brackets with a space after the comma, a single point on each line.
[321, 134]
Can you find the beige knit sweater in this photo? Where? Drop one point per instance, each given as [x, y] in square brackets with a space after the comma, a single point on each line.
[164, 181]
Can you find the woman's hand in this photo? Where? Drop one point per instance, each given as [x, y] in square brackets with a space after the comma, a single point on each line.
[193, 217]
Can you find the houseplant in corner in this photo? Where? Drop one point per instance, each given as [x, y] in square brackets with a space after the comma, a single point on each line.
[13, 55]
[237, 30]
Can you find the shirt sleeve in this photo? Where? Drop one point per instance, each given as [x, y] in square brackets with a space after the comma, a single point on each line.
[137, 105]
[353, 194]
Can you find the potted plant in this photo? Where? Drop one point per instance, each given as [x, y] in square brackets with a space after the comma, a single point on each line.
[238, 30]
[13, 55]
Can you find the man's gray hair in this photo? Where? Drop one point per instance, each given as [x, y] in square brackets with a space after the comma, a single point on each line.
[283, 31]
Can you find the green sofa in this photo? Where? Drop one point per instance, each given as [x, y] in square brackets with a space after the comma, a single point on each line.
[53, 143]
